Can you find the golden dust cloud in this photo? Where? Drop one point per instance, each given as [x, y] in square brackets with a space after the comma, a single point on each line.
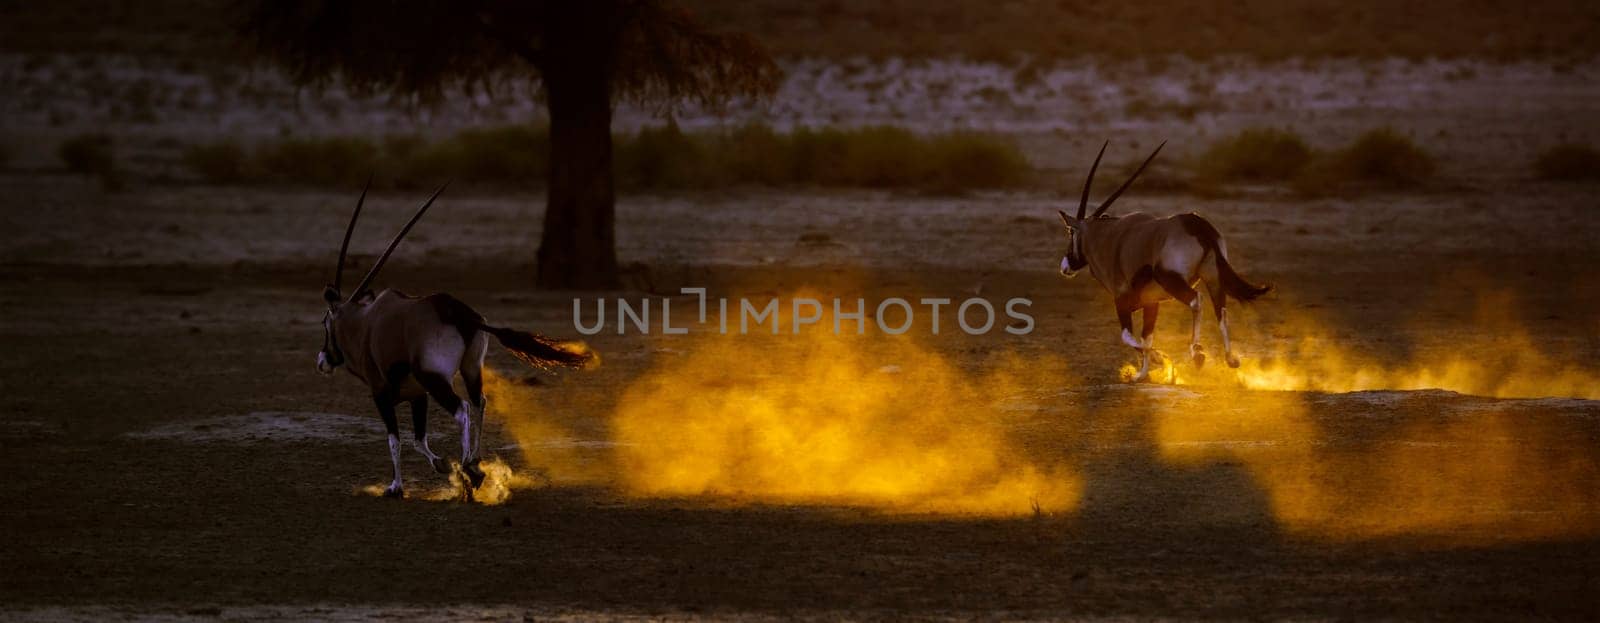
[499, 481]
[1441, 466]
[894, 424]
[818, 418]
[1496, 358]
[549, 447]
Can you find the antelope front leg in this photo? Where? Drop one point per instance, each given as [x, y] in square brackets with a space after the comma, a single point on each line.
[1125, 316]
[386, 410]
[1147, 336]
[1196, 351]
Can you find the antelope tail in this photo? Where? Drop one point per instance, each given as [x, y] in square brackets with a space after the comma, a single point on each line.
[543, 352]
[540, 351]
[533, 349]
[1235, 285]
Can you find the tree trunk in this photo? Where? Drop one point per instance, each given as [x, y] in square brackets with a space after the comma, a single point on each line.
[578, 250]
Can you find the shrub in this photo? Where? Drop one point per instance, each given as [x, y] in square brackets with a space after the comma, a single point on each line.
[662, 158]
[93, 154]
[225, 162]
[1380, 158]
[89, 154]
[659, 158]
[336, 161]
[516, 154]
[965, 161]
[1387, 158]
[1256, 155]
[883, 157]
[817, 156]
[1569, 162]
[755, 154]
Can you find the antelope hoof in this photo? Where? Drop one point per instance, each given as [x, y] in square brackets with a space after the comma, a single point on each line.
[1233, 361]
[475, 474]
[440, 465]
[1199, 355]
[393, 491]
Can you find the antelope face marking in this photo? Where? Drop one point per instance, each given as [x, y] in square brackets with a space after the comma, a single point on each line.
[330, 357]
[1073, 261]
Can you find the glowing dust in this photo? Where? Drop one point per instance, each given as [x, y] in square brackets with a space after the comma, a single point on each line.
[1497, 359]
[500, 479]
[828, 419]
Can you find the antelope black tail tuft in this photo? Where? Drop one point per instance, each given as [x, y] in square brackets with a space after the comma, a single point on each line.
[543, 352]
[1235, 285]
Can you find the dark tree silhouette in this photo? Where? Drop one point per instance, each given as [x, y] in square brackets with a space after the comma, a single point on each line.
[584, 55]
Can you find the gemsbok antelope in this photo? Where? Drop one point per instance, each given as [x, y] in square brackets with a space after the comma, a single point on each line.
[407, 349]
[1143, 260]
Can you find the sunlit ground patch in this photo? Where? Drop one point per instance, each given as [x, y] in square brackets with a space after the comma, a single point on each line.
[1433, 464]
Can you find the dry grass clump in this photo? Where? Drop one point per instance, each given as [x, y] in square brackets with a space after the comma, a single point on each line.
[964, 161]
[92, 154]
[1569, 162]
[513, 155]
[506, 156]
[332, 161]
[1381, 159]
[658, 158]
[224, 162]
[1256, 155]
[871, 157]
[1386, 157]
[663, 158]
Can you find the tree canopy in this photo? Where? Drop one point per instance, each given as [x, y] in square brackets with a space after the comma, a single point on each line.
[652, 52]
[584, 54]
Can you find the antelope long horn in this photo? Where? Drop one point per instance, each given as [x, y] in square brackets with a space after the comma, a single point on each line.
[1109, 200]
[1083, 204]
[338, 271]
[377, 266]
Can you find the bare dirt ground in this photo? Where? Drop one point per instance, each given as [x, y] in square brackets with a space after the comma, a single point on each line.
[1415, 433]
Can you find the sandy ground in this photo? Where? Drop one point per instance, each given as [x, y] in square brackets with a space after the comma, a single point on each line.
[1415, 433]
[179, 454]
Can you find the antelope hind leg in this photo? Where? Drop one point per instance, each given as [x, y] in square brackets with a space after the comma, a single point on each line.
[419, 428]
[1196, 351]
[1179, 288]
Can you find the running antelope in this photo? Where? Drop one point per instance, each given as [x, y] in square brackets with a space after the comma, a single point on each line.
[1143, 260]
[407, 349]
